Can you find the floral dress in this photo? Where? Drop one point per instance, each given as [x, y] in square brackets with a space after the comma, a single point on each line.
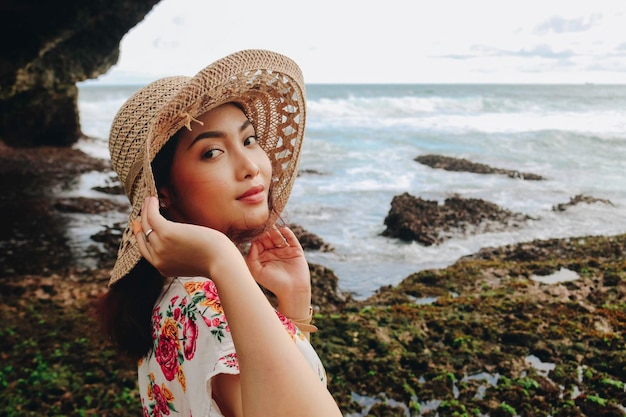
[192, 344]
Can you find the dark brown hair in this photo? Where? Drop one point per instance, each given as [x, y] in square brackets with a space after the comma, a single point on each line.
[125, 311]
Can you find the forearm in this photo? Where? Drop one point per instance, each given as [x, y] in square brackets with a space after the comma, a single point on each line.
[275, 378]
[295, 305]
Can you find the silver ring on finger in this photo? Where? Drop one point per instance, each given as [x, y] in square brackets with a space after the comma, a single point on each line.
[148, 235]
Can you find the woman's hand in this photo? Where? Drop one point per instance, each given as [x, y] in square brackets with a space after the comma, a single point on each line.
[276, 261]
[179, 249]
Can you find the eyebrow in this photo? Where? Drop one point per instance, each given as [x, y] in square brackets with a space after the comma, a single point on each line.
[216, 133]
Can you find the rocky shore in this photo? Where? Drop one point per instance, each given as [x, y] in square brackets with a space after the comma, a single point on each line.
[532, 329]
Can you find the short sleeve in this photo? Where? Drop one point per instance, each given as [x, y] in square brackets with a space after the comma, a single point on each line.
[192, 344]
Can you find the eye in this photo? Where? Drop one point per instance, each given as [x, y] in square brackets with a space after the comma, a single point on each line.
[212, 153]
[250, 140]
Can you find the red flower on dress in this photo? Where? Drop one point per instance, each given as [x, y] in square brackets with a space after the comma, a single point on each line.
[210, 290]
[167, 356]
[156, 320]
[161, 402]
[230, 360]
[173, 300]
[177, 315]
[190, 335]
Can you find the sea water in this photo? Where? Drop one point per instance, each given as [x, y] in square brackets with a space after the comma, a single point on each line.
[359, 150]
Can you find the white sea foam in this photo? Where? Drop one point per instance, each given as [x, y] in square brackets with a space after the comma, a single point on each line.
[359, 153]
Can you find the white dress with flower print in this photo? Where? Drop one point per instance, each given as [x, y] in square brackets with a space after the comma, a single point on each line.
[192, 344]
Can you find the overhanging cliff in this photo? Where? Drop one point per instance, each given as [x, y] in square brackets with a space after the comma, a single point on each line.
[47, 47]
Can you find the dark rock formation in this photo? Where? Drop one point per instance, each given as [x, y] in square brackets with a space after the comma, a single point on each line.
[49, 46]
[579, 199]
[310, 241]
[412, 218]
[469, 351]
[457, 164]
[325, 294]
[33, 234]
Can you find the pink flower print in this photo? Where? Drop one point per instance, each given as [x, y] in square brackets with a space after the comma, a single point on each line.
[144, 409]
[230, 360]
[167, 356]
[156, 321]
[190, 335]
[161, 402]
[174, 299]
[211, 299]
[291, 328]
[216, 322]
[210, 290]
[176, 314]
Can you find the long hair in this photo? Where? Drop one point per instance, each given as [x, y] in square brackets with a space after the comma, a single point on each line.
[125, 311]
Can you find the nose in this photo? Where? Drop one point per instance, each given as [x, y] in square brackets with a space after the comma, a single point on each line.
[247, 166]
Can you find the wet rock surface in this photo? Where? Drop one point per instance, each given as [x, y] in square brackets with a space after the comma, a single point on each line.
[485, 336]
[428, 222]
[310, 241]
[578, 199]
[463, 165]
[32, 233]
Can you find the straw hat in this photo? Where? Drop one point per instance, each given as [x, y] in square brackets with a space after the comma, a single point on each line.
[268, 86]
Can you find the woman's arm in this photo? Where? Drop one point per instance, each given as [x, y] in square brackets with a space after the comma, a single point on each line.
[275, 378]
[277, 262]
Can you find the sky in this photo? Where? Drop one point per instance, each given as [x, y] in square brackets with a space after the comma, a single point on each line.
[387, 41]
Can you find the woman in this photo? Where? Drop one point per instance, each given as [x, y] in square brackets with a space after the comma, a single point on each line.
[208, 163]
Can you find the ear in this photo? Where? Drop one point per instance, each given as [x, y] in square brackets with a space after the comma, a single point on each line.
[166, 197]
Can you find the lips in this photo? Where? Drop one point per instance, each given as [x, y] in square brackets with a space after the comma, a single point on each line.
[253, 194]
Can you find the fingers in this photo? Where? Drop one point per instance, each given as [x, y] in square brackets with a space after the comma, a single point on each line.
[278, 238]
[140, 237]
[145, 215]
[273, 239]
[290, 237]
[144, 228]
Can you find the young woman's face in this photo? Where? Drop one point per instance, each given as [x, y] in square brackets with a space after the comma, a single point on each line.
[220, 177]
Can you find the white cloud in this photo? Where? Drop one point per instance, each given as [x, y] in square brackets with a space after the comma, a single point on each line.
[390, 41]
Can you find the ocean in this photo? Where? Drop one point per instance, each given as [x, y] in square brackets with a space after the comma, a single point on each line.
[359, 150]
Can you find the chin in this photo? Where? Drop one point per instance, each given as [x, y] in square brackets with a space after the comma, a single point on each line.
[248, 228]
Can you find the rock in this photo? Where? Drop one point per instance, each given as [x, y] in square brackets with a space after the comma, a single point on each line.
[457, 164]
[310, 241]
[33, 235]
[414, 219]
[87, 205]
[324, 292]
[48, 47]
[579, 199]
[468, 351]
[309, 172]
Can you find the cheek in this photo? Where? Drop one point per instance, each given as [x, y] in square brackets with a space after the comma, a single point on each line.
[265, 166]
[190, 183]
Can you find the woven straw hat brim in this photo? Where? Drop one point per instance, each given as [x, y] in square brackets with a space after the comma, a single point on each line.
[269, 87]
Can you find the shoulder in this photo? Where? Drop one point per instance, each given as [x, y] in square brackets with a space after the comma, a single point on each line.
[201, 291]
[198, 290]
